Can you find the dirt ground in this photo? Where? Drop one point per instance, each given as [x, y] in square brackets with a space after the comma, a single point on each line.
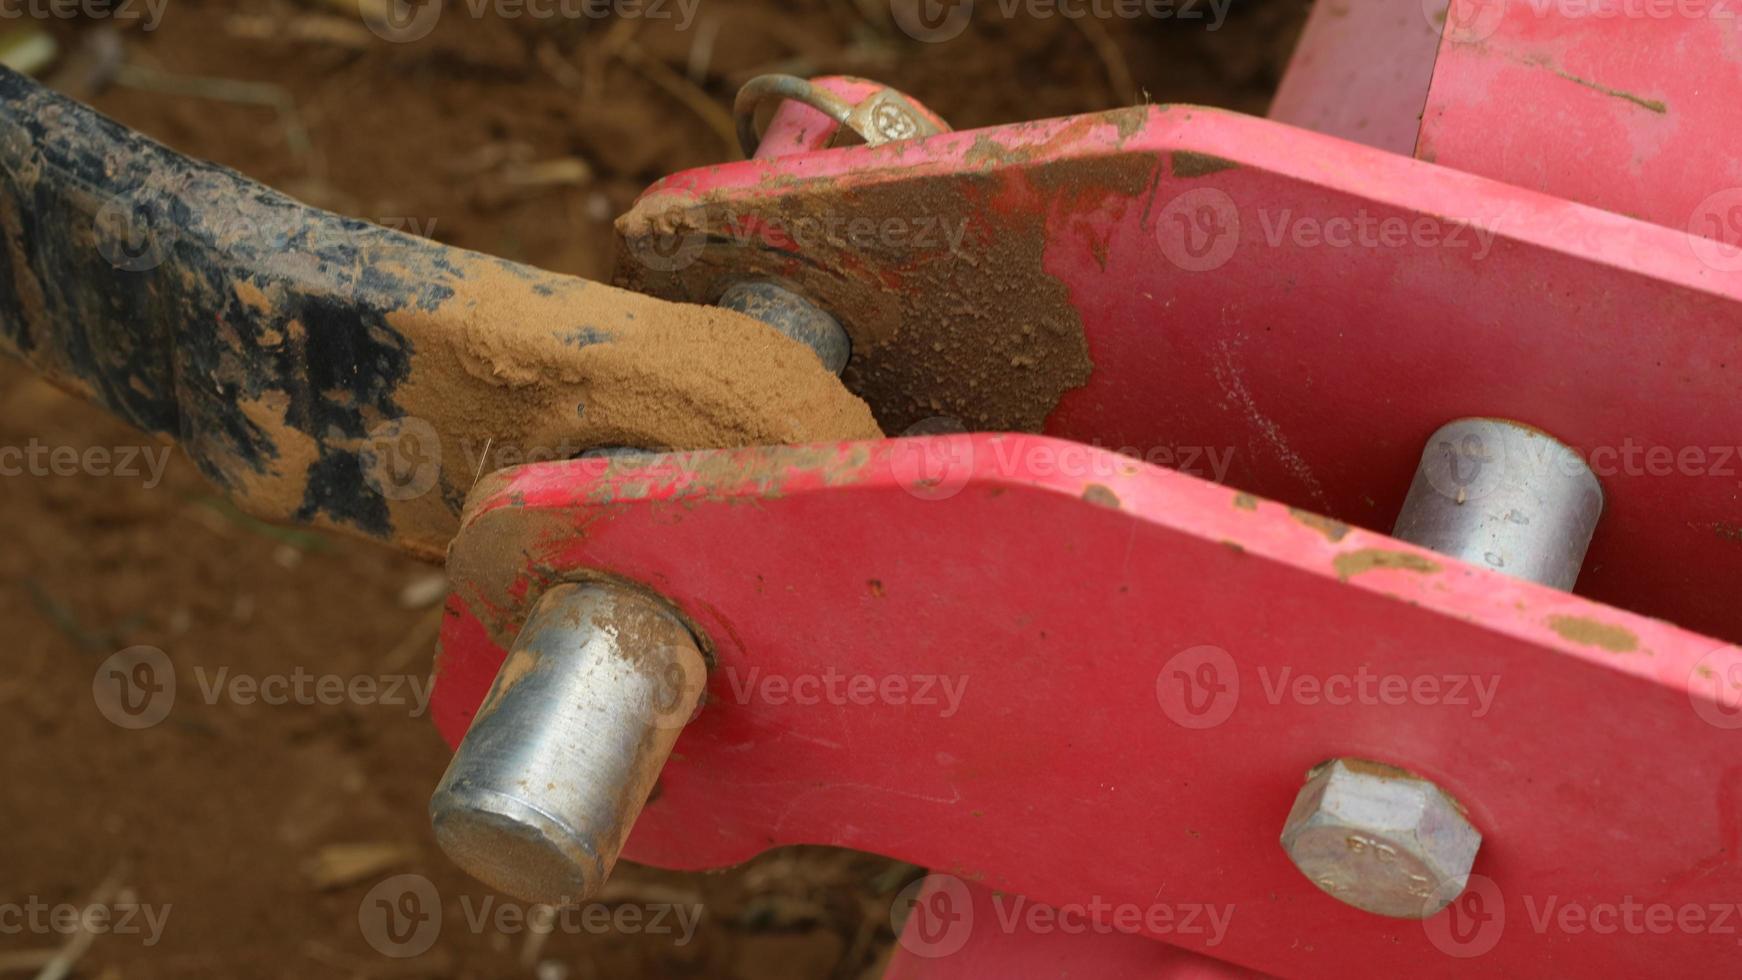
[255, 832]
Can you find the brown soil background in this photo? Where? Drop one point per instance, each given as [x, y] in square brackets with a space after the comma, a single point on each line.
[523, 138]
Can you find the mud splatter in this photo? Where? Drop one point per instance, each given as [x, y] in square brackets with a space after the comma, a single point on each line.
[1591, 633]
[1099, 495]
[1189, 164]
[1354, 563]
[1333, 530]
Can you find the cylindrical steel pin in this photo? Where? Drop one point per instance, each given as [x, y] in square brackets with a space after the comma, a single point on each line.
[1493, 493]
[1504, 496]
[568, 743]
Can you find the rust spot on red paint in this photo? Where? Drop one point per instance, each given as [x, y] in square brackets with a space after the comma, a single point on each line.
[1099, 495]
[1591, 633]
[1354, 563]
[1189, 164]
[1333, 530]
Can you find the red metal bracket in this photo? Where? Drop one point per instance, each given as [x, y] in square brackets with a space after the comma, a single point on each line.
[1047, 667]
[1082, 677]
[1308, 310]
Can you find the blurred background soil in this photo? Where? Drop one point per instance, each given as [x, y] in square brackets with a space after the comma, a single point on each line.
[262, 828]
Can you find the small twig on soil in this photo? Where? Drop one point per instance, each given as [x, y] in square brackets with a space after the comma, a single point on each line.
[566, 75]
[1107, 49]
[702, 48]
[80, 941]
[596, 59]
[420, 640]
[101, 641]
[300, 540]
[91, 65]
[483, 459]
[684, 91]
[224, 90]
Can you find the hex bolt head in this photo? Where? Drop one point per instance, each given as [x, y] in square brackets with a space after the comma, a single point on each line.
[1380, 839]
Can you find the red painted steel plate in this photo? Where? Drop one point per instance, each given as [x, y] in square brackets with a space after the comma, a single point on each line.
[1630, 105]
[1058, 672]
[1288, 313]
[1361, 71]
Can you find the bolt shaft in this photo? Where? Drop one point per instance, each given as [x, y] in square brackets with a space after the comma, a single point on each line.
[793, 315]
[1504, 496]
[567, 745]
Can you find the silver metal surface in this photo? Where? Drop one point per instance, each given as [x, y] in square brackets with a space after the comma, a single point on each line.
[793, 315]
[1505, 496]
[885, 116]
[1380, 839]
[568, 743]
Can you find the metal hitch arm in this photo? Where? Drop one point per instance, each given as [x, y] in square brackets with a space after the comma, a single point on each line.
[325, 370]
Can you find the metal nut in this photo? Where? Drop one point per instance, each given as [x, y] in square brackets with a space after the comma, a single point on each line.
[1380, 839]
